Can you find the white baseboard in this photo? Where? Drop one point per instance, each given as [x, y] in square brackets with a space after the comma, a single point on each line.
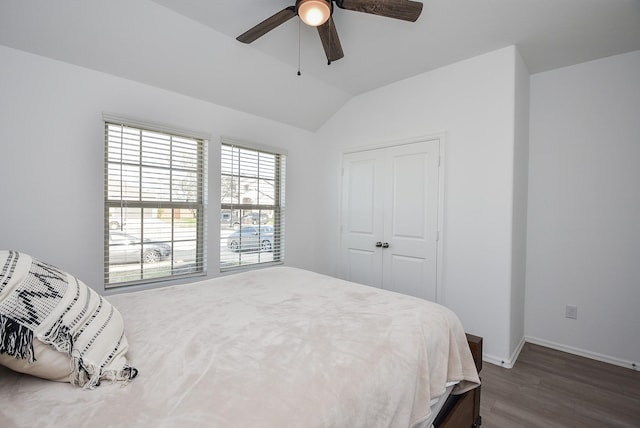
[583, 353]
[508, 364]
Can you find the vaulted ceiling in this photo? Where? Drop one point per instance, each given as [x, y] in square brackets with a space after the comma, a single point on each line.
[189, 46]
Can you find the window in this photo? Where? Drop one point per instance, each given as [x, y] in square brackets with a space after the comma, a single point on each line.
[251, 207]
[154, 205]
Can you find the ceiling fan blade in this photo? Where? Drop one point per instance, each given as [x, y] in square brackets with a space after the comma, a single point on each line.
[267, 25]
[406, 10]
[330, 40]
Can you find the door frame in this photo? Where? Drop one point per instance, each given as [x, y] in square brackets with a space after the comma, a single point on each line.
[441, 138]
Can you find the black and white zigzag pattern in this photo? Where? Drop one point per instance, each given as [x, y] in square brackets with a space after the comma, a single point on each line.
[39, 294]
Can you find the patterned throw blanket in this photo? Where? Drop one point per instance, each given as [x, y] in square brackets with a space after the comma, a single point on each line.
[39, 302]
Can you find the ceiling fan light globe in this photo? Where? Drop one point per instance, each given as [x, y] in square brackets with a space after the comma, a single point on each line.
[314, 17]
[314, 12]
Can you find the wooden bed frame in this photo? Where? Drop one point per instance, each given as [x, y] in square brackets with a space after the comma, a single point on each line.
[463, 411]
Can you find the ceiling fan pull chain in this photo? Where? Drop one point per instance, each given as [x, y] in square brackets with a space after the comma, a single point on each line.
[299, 73]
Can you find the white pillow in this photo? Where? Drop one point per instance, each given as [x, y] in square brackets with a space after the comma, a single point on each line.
[55, 327]
[47, 364]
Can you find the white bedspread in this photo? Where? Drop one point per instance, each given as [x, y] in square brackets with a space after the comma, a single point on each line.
[277, 347]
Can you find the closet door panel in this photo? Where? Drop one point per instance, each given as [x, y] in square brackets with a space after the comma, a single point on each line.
[362, 218]
[407, 202]
[406, 275]
[411, 222]
[359, 267]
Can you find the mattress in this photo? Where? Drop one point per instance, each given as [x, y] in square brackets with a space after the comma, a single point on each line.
[276, 347]
[436, 405]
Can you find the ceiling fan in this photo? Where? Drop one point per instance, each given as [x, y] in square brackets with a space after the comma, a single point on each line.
[318, 13]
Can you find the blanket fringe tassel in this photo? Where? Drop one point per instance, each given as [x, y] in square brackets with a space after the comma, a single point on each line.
[16, 340]
[59, 337]
[88, 377]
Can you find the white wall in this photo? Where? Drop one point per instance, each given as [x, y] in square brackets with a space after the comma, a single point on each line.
[520, 196]
[51, 159]
[472, 102]
[584, 209]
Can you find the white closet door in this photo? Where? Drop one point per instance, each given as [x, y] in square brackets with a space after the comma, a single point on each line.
[411, 220]
[362, 219]
[389, 218]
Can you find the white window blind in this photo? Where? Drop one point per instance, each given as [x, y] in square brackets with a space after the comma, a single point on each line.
[155, 193]
[252, 201]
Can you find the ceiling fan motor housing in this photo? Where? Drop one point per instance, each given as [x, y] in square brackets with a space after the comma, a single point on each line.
[314, 12]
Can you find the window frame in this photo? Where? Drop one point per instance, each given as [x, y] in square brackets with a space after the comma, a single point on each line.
[199, 266]
[278, 206]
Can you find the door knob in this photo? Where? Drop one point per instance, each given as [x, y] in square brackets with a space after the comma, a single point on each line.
[385, 245]
[378, 244]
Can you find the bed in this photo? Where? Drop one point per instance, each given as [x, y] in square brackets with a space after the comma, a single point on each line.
[275, 347]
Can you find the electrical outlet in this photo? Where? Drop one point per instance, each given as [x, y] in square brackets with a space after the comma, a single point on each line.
[571, 311]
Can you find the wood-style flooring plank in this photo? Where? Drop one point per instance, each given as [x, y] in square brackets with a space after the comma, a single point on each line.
[549, 388]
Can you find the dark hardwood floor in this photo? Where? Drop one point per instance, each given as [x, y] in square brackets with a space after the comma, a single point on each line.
[548, 388]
